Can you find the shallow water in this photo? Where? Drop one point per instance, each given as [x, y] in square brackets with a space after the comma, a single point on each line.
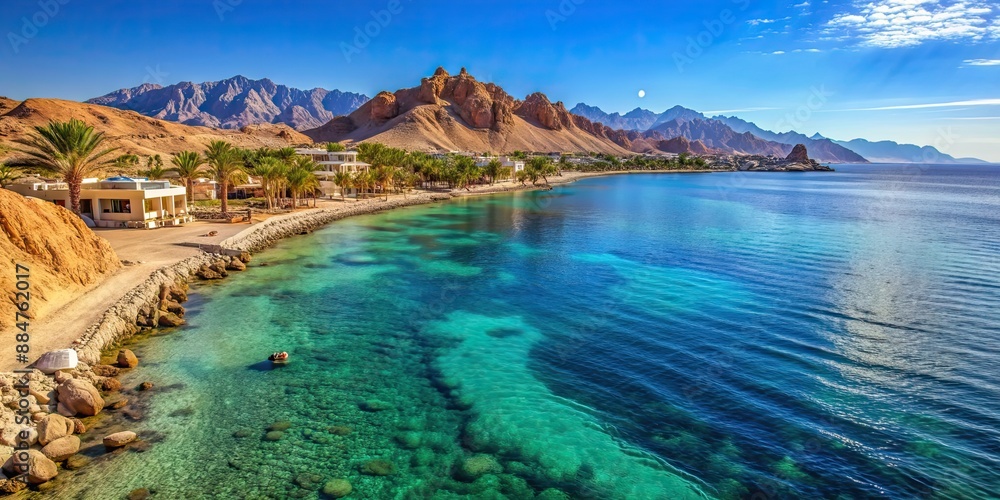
[647, 336]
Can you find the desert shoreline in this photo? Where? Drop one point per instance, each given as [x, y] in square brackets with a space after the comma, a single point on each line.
[117, 319]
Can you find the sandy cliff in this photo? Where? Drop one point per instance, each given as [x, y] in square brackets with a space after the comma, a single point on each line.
[63, 255]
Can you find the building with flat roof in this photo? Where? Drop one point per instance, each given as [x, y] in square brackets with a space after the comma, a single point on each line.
[117, 201]
[332, 162]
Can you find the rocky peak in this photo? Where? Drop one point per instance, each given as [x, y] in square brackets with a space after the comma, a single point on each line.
[537, 107]
[441, 72]
[798, 154]
[384, 107]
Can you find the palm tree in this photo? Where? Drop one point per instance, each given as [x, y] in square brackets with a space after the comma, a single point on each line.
[344, 181]
[8, 175]
[540, 166]
[271, 172]
[69, 150]
[383, 177]
[156, 172]
[126, 163]
[493, 169]
[188, 165]
[226, 165]
[362, 180]
[335, 147]
[301, 179]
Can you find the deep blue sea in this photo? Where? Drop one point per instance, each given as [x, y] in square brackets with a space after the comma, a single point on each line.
[732, 335]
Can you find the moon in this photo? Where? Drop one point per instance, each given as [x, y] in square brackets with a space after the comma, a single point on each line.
[642, 93]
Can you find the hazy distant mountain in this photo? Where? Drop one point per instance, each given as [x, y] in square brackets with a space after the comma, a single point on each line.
[718, 136]
[820, 148]
[892, 152]
[235, 103]
[637, 119]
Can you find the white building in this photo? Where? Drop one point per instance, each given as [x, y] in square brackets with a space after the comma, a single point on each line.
[117, 201]
[515, 165]
[330, 163]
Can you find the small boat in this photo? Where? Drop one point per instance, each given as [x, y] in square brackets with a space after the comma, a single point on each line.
[278, 358]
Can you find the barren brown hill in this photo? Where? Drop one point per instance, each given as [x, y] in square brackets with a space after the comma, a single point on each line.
[62, 255]
[133, 132]
[459, 113]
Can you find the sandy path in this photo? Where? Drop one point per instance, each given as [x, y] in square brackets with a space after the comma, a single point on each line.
[155, 248]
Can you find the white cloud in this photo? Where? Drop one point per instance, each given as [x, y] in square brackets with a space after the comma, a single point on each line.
[906, 23]
[758, 22]
[778, 52]
[802, 5]
[982, 62]
[976, 102]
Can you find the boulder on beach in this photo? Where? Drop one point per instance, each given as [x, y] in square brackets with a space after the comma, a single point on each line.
[62, 448]
[119, 439]
[127, 359]
[169, 319]
[53, 427]
[53, 361]
[236, 265]
[79, 397]
[111, 385]
[10, 486]
[105, 370]
[40, 468]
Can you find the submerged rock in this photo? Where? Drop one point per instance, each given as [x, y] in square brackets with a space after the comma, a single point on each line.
[337, 488]
[119, 439]
[374, 406]
[378, 468]
[283, 425]
[77, 462]
[479, 465]
[309, 481]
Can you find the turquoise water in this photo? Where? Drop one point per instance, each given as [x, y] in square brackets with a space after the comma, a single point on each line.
[651, 336]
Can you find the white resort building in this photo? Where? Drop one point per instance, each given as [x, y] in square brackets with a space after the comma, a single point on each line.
[515, 165]
[332, 162]
[117, 201]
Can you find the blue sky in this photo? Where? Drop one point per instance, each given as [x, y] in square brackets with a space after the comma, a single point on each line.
[919, 71]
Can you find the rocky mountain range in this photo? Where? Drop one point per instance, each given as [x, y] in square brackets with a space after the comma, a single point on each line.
[235, 103]
[726, 135]
[460, 113]
[821, 148]
[132, 132]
